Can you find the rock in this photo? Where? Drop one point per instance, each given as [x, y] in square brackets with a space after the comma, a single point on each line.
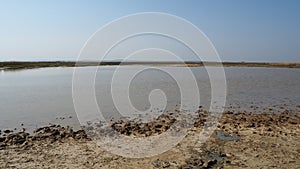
[228, 155]
[80, 134]
[209, 163]
[2, 139]
[56, 132]
[157, 163]
[206, 159]
[160, 164]
[7, 131]
[2, 146]
[16, 138]
[139, 129]
[166, 165]
[294, 122]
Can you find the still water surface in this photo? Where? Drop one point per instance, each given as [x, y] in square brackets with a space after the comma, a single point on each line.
[41, 96]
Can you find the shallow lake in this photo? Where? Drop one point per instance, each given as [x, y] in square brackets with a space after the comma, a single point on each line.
[36, 97]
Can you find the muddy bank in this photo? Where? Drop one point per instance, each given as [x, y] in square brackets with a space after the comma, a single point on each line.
[49, 134]
[242, 140]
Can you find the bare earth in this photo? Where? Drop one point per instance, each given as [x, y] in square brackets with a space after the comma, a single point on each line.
[242, 140]
[19, 65]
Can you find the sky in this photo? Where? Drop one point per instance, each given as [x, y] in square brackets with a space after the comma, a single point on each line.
[250, 30]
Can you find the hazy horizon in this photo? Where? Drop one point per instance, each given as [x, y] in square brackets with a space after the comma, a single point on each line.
[70, 60]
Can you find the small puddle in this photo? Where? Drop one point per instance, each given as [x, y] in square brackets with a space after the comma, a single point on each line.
[220, 135]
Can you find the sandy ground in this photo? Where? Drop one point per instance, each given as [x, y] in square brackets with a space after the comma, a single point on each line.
[241, 140]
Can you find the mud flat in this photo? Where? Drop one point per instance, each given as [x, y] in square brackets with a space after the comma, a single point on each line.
[18, 65]
[241, 140]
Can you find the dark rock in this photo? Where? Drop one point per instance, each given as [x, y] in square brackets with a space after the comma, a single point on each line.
[7, 131]
[80, 134]
[210, 163]
[2, 146]
[204, 160]
[56, 132]
[16, 138]
[166, 165]
[161, 124]
[158, 126]
[157, 163]
[161, 164]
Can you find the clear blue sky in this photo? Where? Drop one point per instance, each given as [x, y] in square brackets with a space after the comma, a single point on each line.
[253, 30]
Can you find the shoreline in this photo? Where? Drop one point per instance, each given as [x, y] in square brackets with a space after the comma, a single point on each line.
[19, 65]
[241, 140]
